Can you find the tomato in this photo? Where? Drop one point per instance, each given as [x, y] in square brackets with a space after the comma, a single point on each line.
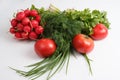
[45, 47]
[82, 43]
[100, 31]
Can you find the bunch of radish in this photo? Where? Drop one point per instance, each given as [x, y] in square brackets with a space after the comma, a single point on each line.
[26, 25]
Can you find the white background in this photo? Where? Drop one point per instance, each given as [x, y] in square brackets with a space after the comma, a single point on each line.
[105, 56]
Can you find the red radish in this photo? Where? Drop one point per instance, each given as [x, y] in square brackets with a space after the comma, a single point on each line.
[14, 22]
[38, 18]
[18, 35]
[20, 27]
[34, 23]
[12, 30]
[20, 16]
[27, 12]
[25, 24]
[39, 30]
[25, 21]
[33, 13]
[33, 35]
[25, 35]
[27, 29]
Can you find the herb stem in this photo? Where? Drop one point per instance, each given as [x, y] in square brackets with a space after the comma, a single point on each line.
[88, 61]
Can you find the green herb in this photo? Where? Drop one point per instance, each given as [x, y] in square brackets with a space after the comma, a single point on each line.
[88, 61]
[62, 26]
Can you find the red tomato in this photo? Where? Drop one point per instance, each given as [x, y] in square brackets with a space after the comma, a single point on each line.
[45, 47]
[83, 43]
[100, 31]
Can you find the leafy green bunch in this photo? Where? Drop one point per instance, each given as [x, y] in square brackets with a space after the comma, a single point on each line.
[62, 26]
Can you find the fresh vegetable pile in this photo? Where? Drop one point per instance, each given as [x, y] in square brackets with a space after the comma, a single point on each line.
[57, 34]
